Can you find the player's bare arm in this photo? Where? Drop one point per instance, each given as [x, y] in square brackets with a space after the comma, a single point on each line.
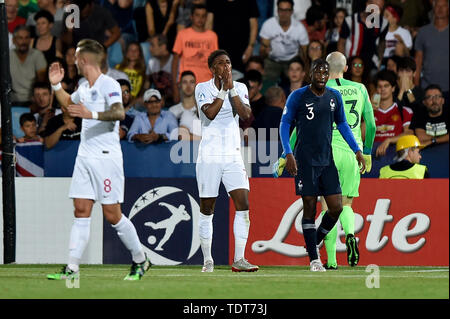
[55, 76]
[291, 164]
[212, 109]
[115, 113]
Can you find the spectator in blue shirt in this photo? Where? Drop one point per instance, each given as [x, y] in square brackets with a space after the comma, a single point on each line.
[155, 125]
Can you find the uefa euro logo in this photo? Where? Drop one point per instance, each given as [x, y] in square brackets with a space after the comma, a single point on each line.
[159, 215]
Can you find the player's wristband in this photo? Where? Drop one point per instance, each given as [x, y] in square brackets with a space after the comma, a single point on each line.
[57, 87]
[222, 94]
[94, 115]
[233, 92]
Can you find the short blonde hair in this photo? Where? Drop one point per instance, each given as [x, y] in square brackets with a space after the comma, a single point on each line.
[93, 47]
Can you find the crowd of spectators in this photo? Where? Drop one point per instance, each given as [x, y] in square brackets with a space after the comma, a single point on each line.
[158, 50]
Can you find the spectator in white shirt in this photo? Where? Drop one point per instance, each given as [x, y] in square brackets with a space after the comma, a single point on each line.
[161, 59]
[282, 39]
[189, 127]
[398, 39]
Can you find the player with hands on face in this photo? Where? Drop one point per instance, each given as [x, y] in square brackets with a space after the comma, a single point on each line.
[221, 103]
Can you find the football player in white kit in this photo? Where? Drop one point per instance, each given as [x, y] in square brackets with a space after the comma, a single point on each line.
[221, 102]
[98, 173]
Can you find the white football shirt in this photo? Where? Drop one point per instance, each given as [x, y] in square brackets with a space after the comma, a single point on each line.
[220, 136]
[99, 139]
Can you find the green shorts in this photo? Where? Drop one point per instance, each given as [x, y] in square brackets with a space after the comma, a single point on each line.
[348, 170]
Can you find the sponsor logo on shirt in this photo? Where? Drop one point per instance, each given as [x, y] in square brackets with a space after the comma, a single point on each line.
[114, 94]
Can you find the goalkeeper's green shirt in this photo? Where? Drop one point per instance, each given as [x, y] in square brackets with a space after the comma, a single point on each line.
[356, 104]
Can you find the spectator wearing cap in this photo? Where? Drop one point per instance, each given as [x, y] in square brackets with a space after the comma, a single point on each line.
[398, 40]
[407, 160]
[155, 125]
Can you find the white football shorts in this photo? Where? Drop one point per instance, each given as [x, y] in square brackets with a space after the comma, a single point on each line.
[99, 179]
[211, 170]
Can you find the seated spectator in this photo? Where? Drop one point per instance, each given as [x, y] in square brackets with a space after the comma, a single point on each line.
[314, 50]
[71, 76]
[42, 107]
[29, 128]
[27, 65]
[270, 116]
[315, 23]
[392, 120]
[296, 76]
[155, 125]
[300, 9]
[431, 124]
[61, 127]
[415, 14]
[57, 13]
[192, 48]
[161, 59]
[130, 112]
[96, 22]
[159, 67]
[255, 62]
[355, 69]
[133, 65]
[45, 42]
[408, 94]
[397, 39]
[14, 20]
[186, 111]
[282, 38]
[407, 160]
[392, 63]
[257, 100]
[332, 34]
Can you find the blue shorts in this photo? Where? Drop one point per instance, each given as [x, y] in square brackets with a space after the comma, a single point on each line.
[317, 180]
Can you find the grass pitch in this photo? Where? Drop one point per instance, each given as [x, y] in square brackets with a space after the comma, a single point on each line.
[187, 282]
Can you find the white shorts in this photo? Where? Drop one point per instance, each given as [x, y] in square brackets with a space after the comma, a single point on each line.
[210, 172]
[99, 179]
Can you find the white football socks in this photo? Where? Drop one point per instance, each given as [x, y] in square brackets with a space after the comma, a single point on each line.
[205, 231]
[241, 227]
[128, 235]
[79, 238]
